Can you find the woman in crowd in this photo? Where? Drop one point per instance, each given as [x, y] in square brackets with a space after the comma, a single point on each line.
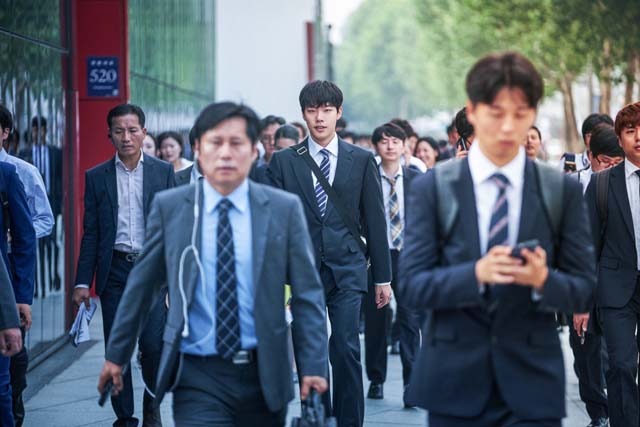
[150, 145]
[171, 150]
[426, 149]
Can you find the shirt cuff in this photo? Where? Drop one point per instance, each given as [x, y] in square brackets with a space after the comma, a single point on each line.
[383, 284]
[81, 285]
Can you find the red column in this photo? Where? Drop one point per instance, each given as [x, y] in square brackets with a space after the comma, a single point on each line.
[99, 29]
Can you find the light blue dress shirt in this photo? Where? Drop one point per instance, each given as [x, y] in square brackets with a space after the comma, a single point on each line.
[202, 311]
[37, 199]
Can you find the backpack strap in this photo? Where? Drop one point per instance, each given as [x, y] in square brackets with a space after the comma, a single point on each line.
[602, 194]
[446, 175]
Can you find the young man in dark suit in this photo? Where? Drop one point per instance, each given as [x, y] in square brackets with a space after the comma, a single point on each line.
[117, 197]
[617, 241]
[491, 355]
[389, 140]
[226, 246]
[353, 175]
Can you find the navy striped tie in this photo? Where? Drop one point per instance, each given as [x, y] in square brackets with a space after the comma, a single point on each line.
[499, 227]
[321, 196]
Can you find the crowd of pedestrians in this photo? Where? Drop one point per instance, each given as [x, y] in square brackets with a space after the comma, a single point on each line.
[217, 268]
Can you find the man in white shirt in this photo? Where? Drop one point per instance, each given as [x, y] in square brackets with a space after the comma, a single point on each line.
[491, 354]
[617, 241]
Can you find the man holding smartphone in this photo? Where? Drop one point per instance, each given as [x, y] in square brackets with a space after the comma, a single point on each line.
[491, 353]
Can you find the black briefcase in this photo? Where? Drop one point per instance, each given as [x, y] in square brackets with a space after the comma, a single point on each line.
[313, 414]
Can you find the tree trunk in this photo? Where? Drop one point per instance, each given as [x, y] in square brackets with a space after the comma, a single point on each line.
[630, 78]
[605, 78]
[571, 136]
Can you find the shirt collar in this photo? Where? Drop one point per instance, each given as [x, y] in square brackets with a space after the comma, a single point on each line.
[238, 197]
[119, 162]
[400, 172]
[3, 155]
[314, 147]
[195, 172]
[482, 168]
[629, 168]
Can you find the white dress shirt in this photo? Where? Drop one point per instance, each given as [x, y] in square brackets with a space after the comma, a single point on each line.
[486, 191]
[130, 225]
[386, 189]
[314, 152]
[633, 192]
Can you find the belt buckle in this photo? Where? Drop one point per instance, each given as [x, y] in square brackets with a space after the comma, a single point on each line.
[242, 357]
[131, 257]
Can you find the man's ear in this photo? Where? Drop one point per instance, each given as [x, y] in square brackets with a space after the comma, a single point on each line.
[339, 113]
[471, 112]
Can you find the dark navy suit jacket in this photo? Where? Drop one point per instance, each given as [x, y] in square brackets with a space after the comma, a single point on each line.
[357, 182]
[101, 214]
[23, 236]
[467, 349]
[617, 264]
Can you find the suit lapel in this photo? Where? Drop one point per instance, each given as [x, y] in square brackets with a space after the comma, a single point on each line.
[111, 183]
[147, 185]
[343, 170]
[467, 210]
[619, 189]
[531, 207]
[260, 214]
[303, 175]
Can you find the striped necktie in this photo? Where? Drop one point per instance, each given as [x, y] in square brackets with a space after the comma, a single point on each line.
[321, 196]
[395, 221]
[499, 227]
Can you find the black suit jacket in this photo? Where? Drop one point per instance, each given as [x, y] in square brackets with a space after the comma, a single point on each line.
[617, 263]
[55, 175]
[8, 312]
[357, 182]
[183, 177]
[101, 214]
[516, 346]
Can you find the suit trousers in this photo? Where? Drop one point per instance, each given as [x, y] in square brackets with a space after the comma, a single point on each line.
[213, 392]
[619, 328]
[376, 329]
[18, 372]
[588, 367]
[6, 412]
[495, 414]
[150, 342]
[344, 352]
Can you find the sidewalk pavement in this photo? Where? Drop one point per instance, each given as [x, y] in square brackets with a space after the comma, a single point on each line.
[70, 398]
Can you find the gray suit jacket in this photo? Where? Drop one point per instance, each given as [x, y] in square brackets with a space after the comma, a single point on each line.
[8, 312]
[282, 253]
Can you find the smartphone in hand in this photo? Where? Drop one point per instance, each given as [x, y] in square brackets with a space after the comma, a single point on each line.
[531, 245]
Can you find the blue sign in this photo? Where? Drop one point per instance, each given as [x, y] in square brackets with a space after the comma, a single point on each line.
[102, 76]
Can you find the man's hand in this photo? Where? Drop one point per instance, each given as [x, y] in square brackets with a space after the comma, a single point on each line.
[24, 310]
[496, 266]
[534, 271]
[82, 295]
[10, 341]
[113, 372]
[319, 384]
[383, 295]
[461, 154]
[580, 322]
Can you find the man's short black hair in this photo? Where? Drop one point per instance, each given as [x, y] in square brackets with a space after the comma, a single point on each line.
[594, 120]
[38, 122]
[389, 130]
[123, 110]
[495, 72]
[341, 123]
[605, 141]
[287, 132]
[192, 137]
[271, 120]
[216, 113]
[406, 127]
[6, 119]
[462, 125]
[344, 134]
[320, 93]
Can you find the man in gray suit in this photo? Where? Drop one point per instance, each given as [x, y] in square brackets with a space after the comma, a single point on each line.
[10, 336]
[225, 247]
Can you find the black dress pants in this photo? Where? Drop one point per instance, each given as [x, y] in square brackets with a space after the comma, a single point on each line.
[588, 367]
[18, 374]
[619, 327]
[150, 342]
[376, 329]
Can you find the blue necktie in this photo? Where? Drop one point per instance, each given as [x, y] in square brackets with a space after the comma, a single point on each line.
[499, 226]
[227, 313]
[321, 196]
